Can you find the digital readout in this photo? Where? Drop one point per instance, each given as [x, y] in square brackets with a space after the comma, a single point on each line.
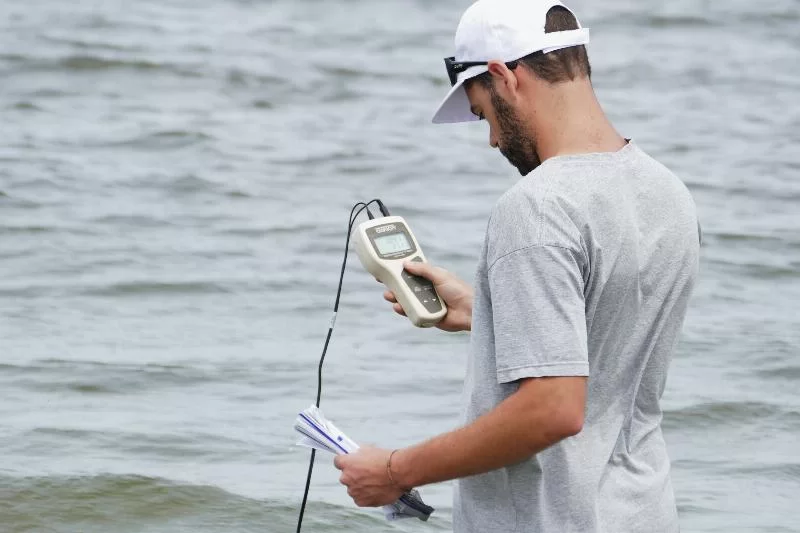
[392, 244]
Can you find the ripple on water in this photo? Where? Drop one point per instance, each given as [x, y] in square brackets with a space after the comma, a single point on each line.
[712, 415]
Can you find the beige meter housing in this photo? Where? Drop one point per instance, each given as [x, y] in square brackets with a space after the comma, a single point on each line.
[383, 245]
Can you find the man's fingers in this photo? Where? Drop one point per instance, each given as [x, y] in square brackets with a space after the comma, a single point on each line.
[338, 462]
[390, 297]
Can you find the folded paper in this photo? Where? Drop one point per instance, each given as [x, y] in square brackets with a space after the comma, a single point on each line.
[319, 433]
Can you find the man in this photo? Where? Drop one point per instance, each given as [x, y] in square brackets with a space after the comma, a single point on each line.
[580, 293]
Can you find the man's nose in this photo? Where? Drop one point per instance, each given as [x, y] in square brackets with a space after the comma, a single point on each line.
[492, 140]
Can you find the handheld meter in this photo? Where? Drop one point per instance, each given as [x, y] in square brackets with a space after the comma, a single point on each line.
[382, 245]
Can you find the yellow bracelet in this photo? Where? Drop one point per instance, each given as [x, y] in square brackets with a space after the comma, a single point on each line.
[389, 467]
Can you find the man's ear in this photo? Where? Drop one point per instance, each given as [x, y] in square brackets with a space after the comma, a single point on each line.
[504, 79]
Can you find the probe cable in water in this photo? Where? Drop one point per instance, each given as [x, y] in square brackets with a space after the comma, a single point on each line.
[412, 499]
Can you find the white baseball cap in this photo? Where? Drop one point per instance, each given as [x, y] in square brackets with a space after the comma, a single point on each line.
[503, 30]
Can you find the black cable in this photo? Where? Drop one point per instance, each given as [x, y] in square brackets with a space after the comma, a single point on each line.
[353, 218]
[383, 208]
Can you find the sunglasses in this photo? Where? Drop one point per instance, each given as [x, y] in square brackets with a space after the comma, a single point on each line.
[454, 68]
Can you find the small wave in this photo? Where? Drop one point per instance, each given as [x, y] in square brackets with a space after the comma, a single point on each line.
[743, 237]
[192, 183]
[712, 415]
[314, 160]
[156, 287]
[686, 508]
[136, 221]
[88, 377]
[14, 58]
[235, 193]
[770, 272]
[759, 270]
[86, 45]
[16, 230]
[343, 72]
[291, 229]
[18, 202]
[89, 503]
[789, 373]
[655, 20]
[92, 388]
[753, 193]
[786, 471]
[160, 140]
[140, 503]
[678, 21]
[50, 92]
[262, 104]
[156, 444]
[96, 63]
[185, 183]
[769, 17]
[87, 62]
[25, 105]
[244, 78]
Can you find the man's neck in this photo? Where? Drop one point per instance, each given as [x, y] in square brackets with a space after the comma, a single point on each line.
[571, 121]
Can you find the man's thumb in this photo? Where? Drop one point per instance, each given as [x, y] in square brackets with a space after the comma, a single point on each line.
[422, 269]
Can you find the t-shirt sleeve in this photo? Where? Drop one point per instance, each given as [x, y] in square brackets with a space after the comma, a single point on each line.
[539, 313]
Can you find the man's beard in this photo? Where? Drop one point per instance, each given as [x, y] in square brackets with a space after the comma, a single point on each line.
[516, 145]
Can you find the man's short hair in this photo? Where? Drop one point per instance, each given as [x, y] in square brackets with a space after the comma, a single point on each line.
[559, 66]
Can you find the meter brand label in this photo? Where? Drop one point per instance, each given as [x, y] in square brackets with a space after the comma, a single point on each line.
[384, 229]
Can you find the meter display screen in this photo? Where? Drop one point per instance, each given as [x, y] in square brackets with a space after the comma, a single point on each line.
[392, 244]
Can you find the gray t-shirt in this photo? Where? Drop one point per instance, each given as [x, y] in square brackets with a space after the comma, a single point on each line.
[587, 270]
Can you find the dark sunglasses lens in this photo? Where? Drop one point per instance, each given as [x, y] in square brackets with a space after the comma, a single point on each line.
[451, 72]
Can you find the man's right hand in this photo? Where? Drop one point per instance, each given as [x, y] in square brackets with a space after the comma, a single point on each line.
[457, 295]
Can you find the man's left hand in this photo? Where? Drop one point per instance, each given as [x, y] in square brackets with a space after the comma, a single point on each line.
[366, 478]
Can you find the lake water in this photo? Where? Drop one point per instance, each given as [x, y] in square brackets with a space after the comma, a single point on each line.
[175, 181]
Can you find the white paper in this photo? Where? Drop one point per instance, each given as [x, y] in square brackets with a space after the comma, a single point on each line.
[319, 433]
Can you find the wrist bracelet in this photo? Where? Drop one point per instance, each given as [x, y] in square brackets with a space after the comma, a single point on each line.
[389, 467]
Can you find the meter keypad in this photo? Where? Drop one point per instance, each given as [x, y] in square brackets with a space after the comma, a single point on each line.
[424, 291]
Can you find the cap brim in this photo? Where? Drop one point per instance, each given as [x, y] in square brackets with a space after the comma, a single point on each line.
[456, 107]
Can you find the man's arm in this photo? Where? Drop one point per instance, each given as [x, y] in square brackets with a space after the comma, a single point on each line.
[541, 413]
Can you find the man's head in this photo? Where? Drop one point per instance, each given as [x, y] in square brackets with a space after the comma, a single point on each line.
[533, 56]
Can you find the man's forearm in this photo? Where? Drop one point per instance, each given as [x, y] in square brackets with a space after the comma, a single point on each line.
[543, 412]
